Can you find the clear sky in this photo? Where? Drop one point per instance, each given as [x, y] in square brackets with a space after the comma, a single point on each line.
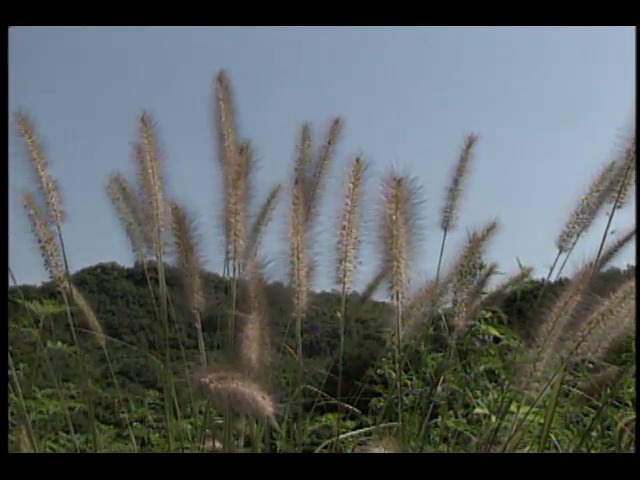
[548, 103]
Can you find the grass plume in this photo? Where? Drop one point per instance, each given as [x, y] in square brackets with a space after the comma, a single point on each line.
[123, 198]
[234, 165]
[256, 232]
[467, 274]
[349, 225]
[304, 155]
[47, 243]
[547, 336]
[347, 255]
[607, 325]
[298, 258]
[299, 268]
[451, 207]
[588, 208]
[188, 257]
[317, 177]
[89, 320]
[625, 174]
[228, 388]
[614, 249]
[399, 231]
[149, 164]
[435, 393]
[47, 184]
[255, 338]
[468, 308]
[398, 234]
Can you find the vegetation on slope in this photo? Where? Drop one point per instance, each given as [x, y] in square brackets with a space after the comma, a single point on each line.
[166, 357]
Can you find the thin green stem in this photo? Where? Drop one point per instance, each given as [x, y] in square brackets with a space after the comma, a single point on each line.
[398, 309]
[299, 440]
[201, 346]
[343, 308]
[566, 258]
[441, 256]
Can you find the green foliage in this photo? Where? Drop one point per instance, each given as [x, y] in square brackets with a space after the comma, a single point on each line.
[456, 397]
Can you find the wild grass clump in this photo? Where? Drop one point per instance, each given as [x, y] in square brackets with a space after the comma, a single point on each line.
[450, 370]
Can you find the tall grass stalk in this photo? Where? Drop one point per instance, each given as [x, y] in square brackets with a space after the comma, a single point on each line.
[399, 220]
[451, 207]
[347, 257]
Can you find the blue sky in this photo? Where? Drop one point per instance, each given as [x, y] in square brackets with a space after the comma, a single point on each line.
[549, 105]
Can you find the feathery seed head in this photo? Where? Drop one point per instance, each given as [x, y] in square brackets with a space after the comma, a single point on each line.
[255, 344]
[299, 270]
[47, 243]
[548, 336]
[315, 183]
[47, 185]
[89, 319]
[588, 208]
[149, 165]
[612, 250]
[245, 396]
[467, 265]
[227, 129]
[609, 324]
[625, 174]
[304, 154]
[469, 298]
[454, 193]
[473, 300]
[349, 226]
[398, 231]
[237, 203]
[250, 342]
[125, 202]
[188, 256]
[237, 164]
[423, 304]
[256, 232]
